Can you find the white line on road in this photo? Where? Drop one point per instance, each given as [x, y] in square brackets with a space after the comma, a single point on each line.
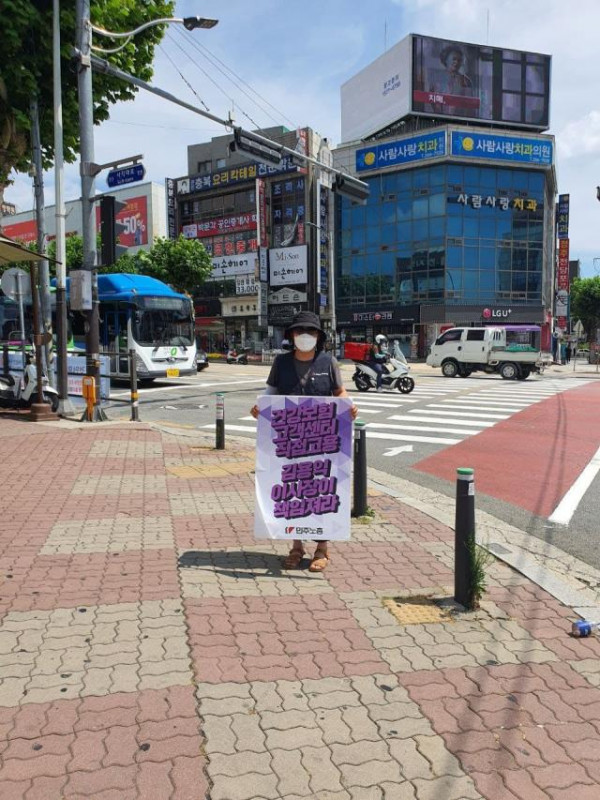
[232, 427]
[182, 386]
[458, 414]
[454, 431]
[456, 406]
[568, 505]
[402, 438]
[444, 421]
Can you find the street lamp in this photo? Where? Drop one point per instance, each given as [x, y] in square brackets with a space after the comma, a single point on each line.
[87, 169]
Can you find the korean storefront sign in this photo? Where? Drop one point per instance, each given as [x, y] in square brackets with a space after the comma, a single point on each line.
[288, 265]
[246, 284]
[229, 177]
[562, 218]
[230, 266]
[503, 203]
[219, 226]
[403, 151]
[261, 214]
[303, 468]
[502, 148]
[283, 296]
[562, 284]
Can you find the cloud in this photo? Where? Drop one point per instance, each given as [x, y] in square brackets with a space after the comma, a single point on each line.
[297, 58]
[580, 137]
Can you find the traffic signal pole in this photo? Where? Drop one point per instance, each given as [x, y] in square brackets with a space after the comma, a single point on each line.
[88, 190]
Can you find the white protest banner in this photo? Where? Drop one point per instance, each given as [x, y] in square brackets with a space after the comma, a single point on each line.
[303, 468]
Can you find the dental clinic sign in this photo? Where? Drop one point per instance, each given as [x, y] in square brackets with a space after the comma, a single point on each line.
[289, 265]
[303, 468]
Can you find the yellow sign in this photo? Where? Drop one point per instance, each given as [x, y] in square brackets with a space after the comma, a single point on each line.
[172, 373]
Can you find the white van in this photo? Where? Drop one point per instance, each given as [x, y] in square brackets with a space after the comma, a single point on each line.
[513, 351]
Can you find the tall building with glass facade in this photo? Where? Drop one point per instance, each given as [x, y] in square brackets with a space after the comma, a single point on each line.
[459, 225]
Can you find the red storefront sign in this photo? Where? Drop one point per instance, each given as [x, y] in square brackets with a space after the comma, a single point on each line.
[24, 232]
[135, 218]
[562, 274]
[221, 225]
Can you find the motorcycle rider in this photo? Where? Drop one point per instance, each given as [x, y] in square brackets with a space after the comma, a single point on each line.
[378, 356]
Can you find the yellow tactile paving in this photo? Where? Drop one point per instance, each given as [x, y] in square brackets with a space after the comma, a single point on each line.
[211, 470]
[416, 610]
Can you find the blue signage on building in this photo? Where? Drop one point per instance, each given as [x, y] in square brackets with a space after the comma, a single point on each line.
[501, 148]
[119, 177]
[403, 151]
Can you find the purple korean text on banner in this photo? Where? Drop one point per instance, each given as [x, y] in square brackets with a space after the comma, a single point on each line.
[303, 468]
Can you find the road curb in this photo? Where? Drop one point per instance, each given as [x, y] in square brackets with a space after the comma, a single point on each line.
[544, 564]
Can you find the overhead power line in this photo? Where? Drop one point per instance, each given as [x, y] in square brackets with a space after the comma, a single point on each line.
[212, 58]
[214, 61]
[211, 79]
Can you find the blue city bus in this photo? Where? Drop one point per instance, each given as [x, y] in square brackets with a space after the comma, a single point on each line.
[145, 315]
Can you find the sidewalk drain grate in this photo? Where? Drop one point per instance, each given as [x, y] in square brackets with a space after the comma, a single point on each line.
[418, 610]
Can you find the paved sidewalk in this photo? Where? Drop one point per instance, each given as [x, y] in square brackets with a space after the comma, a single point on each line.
[150, 649]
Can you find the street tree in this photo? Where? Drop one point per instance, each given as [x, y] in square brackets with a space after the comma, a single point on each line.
[182, 263]
[585, 303]
[26, 71]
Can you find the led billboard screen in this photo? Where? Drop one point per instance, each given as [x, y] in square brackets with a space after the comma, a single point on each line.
[453, 79]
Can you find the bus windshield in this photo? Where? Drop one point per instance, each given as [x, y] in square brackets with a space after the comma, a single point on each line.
[163, 321]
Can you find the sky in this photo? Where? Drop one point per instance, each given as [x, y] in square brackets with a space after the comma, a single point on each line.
[296, 56]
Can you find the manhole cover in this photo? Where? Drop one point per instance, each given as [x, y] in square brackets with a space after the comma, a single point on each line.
[417, 610]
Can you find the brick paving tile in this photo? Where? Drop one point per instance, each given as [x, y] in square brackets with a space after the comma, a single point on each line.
[515, 722]
[271, 638]
[142, 745]
[328, 743]
[364, 567]
[88, 579]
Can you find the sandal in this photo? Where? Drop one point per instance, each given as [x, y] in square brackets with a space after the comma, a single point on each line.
[294, 558]
[319, 562]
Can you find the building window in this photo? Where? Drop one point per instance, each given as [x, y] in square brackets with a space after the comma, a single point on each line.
[221, 163]
[479, 238]
[204, 167]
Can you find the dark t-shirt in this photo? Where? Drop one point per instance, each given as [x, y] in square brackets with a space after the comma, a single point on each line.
[302, 368]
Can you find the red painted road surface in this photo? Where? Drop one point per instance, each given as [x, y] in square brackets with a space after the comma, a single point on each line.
[532, 459]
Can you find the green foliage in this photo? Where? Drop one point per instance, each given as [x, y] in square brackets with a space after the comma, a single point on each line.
[182, 263]
[26, 69]
[480, 560]
[585, 303]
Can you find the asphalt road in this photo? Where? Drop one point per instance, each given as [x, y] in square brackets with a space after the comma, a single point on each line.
[405, 430]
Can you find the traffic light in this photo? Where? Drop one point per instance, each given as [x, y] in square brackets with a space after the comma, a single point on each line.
[110, 230]
[352, 188]
[260, 148]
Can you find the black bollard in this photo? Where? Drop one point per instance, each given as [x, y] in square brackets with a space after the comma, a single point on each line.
[360, 469]
[464, 537]
[135, 407]
[220, 422]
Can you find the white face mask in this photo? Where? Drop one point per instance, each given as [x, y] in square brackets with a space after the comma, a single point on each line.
[305, 342]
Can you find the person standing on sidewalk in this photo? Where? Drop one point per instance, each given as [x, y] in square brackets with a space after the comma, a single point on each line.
[306, 370]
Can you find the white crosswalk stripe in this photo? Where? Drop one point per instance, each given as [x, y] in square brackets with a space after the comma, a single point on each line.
[448, 412]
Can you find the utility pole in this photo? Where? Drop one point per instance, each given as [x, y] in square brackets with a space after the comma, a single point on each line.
[88, 190]
[65, 407]
[43, 269]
